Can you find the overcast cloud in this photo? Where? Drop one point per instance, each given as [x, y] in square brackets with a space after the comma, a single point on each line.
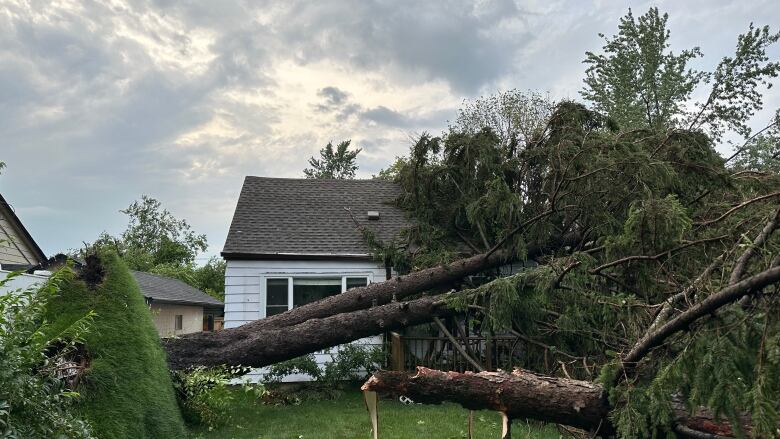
[101, 102]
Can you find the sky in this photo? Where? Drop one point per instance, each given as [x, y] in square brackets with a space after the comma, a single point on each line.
[101, 102]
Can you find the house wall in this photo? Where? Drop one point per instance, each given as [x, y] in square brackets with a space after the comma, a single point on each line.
[20, 282]
[245, 292]
[164, 317]
[13, 248]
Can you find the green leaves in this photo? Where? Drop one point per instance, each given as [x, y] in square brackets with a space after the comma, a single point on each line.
[34, 403]
[338, 163]
[637, 81]
[652, 226]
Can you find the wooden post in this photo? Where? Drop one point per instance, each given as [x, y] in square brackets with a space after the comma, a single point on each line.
[489, 353]
[506, 430]
[372, 404]
[397, 361]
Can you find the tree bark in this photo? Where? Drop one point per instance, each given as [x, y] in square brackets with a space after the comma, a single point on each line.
[380, 293]
[523, 394]
[269, 346]
[334, 320]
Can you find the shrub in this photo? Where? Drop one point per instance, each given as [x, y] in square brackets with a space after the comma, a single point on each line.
[127, 390]
[204, 394]
[34, 403]
[349, 363]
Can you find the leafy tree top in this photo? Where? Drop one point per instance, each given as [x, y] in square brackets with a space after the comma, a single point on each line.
[154, 236]
[638, 81]
[336, 163]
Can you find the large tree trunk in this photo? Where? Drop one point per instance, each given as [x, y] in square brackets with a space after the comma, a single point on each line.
[326, 322]
[527, 395]
[380, 293]
[269, 346]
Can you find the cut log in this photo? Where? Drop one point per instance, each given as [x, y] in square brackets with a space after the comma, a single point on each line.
[263, 348]
[526, 395]
[520, 394]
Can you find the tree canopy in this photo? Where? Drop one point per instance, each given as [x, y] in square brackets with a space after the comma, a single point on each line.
[642, 218]
[338, 163]
[639, 82]
[156, 241]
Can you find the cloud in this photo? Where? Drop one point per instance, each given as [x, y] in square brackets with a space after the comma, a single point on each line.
[386, 116]
[103, 102]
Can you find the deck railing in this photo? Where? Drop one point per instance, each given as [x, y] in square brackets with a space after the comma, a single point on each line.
[499, 352]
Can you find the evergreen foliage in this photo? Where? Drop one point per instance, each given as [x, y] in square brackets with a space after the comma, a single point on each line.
[127, 390]
[626, 213]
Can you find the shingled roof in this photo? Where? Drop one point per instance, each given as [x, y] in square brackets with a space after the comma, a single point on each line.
[169, 290]
[307, 218]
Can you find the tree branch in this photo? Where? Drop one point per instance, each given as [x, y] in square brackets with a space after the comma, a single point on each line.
[707, 306]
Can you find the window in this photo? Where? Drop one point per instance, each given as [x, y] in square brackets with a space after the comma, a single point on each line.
[284, 293]
[308, 289]
[355, 282]
[178, 322]
[276, 296]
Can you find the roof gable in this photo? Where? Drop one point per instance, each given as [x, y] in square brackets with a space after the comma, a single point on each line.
[300, 218]
[166, 289]
[18, 246]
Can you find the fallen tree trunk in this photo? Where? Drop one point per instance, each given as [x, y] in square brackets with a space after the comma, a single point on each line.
[526, 395]
[380, 293]
[262, 348]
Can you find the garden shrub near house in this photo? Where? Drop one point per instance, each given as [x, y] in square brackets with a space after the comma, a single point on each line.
[34, 402]
[126, 391]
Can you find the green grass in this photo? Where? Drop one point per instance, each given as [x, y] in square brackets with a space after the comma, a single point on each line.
[127, 391]
[346, 417]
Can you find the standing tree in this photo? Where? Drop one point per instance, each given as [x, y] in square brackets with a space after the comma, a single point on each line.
[639, 82]
[516, 117]
[154, 237]
[338, 164]
[157, 242]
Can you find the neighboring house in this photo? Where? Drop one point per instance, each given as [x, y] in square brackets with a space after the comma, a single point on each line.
[294, 241]
[178, 308]
[18, 252]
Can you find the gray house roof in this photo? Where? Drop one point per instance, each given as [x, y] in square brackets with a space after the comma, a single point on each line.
[168, 290]
[306, 218]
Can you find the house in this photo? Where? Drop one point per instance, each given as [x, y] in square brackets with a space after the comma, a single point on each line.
[18, 252]
[178, 308]
[294, 241]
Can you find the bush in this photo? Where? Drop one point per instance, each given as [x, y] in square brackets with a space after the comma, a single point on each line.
[34, 403]
[127, 390]
[350, 363]
[204, 394]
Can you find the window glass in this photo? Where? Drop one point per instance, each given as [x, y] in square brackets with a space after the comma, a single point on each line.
[308, 289]
[178, 323]
[355, 282]
[276, 296]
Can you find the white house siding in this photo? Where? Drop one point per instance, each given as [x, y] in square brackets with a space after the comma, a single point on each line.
[164, 317]
[13, 249]
[20, 282]
[245, 291]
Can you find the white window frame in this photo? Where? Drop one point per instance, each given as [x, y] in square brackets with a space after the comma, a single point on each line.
[290, 276]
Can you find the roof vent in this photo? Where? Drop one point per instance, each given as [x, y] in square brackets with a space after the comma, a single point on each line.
[373, 215]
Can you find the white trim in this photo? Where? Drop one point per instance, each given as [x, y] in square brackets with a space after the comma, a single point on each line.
[263, 313]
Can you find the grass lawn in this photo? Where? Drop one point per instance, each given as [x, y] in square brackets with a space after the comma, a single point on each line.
[346, 417]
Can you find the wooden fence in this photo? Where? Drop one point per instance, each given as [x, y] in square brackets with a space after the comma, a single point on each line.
[499, 352]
